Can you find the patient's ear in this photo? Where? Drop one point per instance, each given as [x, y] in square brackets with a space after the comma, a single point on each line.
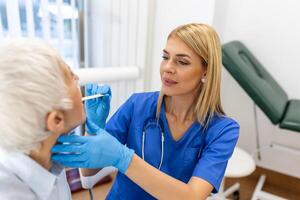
[55, 121]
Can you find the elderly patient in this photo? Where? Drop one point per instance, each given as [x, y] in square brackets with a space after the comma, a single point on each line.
[39, 101]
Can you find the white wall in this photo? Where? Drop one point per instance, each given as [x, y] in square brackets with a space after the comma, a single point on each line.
[168, 14]
[271, 30]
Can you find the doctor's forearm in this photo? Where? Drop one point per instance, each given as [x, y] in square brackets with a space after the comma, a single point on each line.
[157, 183]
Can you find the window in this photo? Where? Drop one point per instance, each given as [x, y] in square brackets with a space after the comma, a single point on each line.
[53, 20]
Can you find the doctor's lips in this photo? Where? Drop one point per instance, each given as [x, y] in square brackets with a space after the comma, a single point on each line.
[168, 82]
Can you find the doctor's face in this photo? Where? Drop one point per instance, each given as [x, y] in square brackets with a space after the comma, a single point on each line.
[181, 69]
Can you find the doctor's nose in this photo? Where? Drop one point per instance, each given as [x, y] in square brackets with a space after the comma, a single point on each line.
[169, 67]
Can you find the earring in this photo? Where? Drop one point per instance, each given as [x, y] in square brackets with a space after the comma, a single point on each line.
[203, 80]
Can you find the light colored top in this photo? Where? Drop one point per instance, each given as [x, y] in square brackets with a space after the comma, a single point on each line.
[23, 178]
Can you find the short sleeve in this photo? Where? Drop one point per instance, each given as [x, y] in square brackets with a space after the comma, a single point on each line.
[220, 142]
[118, 124]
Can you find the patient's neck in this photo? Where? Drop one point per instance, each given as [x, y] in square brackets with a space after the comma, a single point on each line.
[43, 154]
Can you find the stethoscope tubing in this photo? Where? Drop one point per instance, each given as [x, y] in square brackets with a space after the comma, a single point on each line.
[162, 145]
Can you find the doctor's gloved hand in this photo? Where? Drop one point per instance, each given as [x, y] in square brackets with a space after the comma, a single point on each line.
[96, 109]
[101, 150]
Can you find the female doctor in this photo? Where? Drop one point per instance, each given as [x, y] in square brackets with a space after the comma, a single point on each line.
[172, 144]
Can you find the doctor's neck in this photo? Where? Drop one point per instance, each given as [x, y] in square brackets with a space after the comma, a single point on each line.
[180, 107]
[43, 154]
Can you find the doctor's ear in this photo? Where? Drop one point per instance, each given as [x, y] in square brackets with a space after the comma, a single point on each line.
[55, 121]
[203, 79]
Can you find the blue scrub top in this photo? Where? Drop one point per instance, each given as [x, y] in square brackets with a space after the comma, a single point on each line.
[197, 153]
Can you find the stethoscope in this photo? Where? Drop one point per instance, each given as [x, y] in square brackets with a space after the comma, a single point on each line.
[153, 122]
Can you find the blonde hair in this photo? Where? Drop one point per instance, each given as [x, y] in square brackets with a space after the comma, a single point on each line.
[32, 83]
[204, 40]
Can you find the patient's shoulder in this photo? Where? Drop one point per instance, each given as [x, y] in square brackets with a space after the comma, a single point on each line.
[12, 187]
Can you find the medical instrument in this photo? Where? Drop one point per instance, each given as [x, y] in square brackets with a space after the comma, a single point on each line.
[155, 123]
[91, 97]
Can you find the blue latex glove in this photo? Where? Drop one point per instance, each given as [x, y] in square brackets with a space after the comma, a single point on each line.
[97, 109]
[97, 151]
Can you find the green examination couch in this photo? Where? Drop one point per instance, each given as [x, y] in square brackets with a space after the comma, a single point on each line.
[261, 87]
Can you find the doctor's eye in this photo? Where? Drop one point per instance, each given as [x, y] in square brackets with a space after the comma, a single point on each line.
[164, 57]
[183, 62]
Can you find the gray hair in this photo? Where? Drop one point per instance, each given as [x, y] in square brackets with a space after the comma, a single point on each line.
[32, 83]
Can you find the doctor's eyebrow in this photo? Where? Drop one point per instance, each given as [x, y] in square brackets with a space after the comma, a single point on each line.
[178, 55]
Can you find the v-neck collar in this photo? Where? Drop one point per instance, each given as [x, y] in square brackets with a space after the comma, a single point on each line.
[167, 130]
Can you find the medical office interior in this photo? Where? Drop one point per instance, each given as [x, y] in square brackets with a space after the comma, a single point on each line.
[119, 42]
